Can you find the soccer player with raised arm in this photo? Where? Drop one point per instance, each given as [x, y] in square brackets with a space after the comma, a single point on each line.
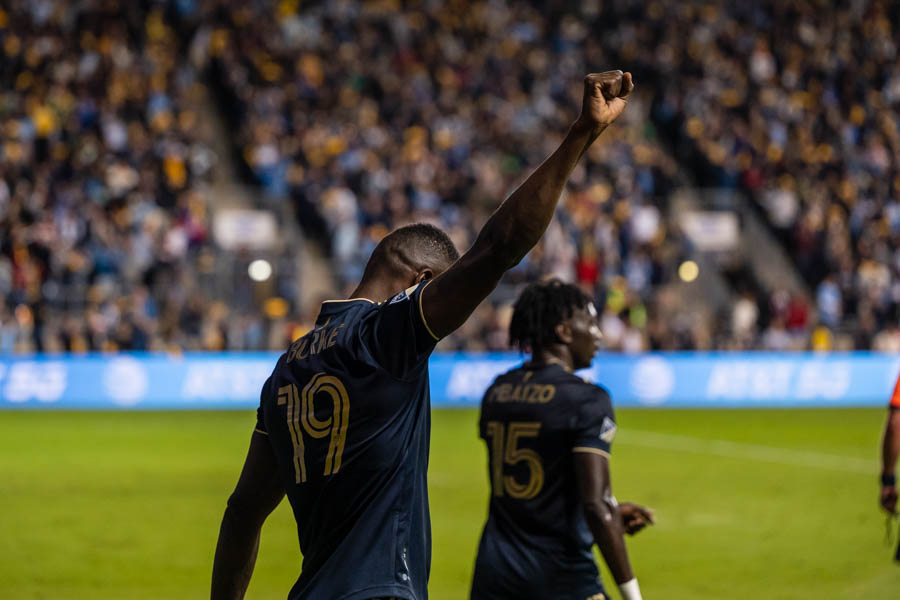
[890, 449]
[344, 420]
[548, 433]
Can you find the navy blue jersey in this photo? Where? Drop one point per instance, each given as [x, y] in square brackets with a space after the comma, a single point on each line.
[536, 543]
[347, 411]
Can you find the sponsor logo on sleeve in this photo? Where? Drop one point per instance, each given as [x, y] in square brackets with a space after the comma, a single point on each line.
[607, 430]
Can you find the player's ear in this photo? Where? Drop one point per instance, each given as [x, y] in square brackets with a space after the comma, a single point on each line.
[564, 332]
[423, 275]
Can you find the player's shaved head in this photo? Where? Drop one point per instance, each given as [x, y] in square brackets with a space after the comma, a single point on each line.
[539, 309]
[410, 250]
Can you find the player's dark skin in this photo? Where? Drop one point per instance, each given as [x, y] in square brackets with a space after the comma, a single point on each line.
[579, 339]
[453, 294]
[890, 450]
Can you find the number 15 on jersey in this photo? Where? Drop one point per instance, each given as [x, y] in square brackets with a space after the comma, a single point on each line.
[505, 451]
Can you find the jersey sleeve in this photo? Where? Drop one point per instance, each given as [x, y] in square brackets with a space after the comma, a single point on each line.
[397, 335]
[260, 416]
[595, 423]
[895, 397]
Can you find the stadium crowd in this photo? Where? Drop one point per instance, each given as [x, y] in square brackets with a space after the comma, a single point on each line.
[371, 115]
[381, 116]
[796, 103]
[104, 239]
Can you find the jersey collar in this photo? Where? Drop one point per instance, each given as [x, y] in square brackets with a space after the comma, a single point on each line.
[330, 307]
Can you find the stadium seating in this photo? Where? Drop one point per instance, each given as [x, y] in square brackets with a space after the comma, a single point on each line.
[369, 115]
[102, 166]
[379, 117]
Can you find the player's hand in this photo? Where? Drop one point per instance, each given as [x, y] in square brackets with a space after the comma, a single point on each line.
[605, 97]
[635, 517]
[889, 498]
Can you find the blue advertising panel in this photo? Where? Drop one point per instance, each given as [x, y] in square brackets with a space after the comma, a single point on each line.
[697, 380]
[203, 380]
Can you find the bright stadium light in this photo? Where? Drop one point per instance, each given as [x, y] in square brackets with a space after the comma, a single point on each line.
[688, 271]
[259, 270]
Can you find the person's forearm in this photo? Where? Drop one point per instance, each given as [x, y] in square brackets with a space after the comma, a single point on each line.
[890, 445]
[518, 224]
[606, 525]
[235, 557]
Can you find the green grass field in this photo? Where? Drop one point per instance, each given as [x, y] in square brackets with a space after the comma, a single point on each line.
[750, 504]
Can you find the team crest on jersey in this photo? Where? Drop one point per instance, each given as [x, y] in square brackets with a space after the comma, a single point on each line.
[607, 430]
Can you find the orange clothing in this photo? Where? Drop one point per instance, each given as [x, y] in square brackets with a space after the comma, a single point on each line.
[895, 397]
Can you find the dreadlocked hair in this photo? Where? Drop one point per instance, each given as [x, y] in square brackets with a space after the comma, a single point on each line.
[539, 309]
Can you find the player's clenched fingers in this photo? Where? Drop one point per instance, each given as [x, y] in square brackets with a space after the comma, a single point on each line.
[637, 512]
[608, 84]
[632, 527]
[627, 85]
[611, 84]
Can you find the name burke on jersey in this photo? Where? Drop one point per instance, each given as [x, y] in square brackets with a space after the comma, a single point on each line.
[314, 342]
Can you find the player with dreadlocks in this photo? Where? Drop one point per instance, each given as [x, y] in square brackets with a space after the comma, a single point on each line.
[548, 434]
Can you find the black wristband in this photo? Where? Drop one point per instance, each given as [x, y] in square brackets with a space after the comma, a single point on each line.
[888, 480]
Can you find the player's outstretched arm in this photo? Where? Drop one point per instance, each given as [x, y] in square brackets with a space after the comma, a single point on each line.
[517, 225]
[256, 495]
[890, 449]
[603, 517]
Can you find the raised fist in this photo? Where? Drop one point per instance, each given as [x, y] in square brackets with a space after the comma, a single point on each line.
[605, 97]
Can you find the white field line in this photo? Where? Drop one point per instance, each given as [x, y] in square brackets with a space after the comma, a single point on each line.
[745, 451]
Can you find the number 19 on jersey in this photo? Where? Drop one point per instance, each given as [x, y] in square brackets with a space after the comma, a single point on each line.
[301, 419]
